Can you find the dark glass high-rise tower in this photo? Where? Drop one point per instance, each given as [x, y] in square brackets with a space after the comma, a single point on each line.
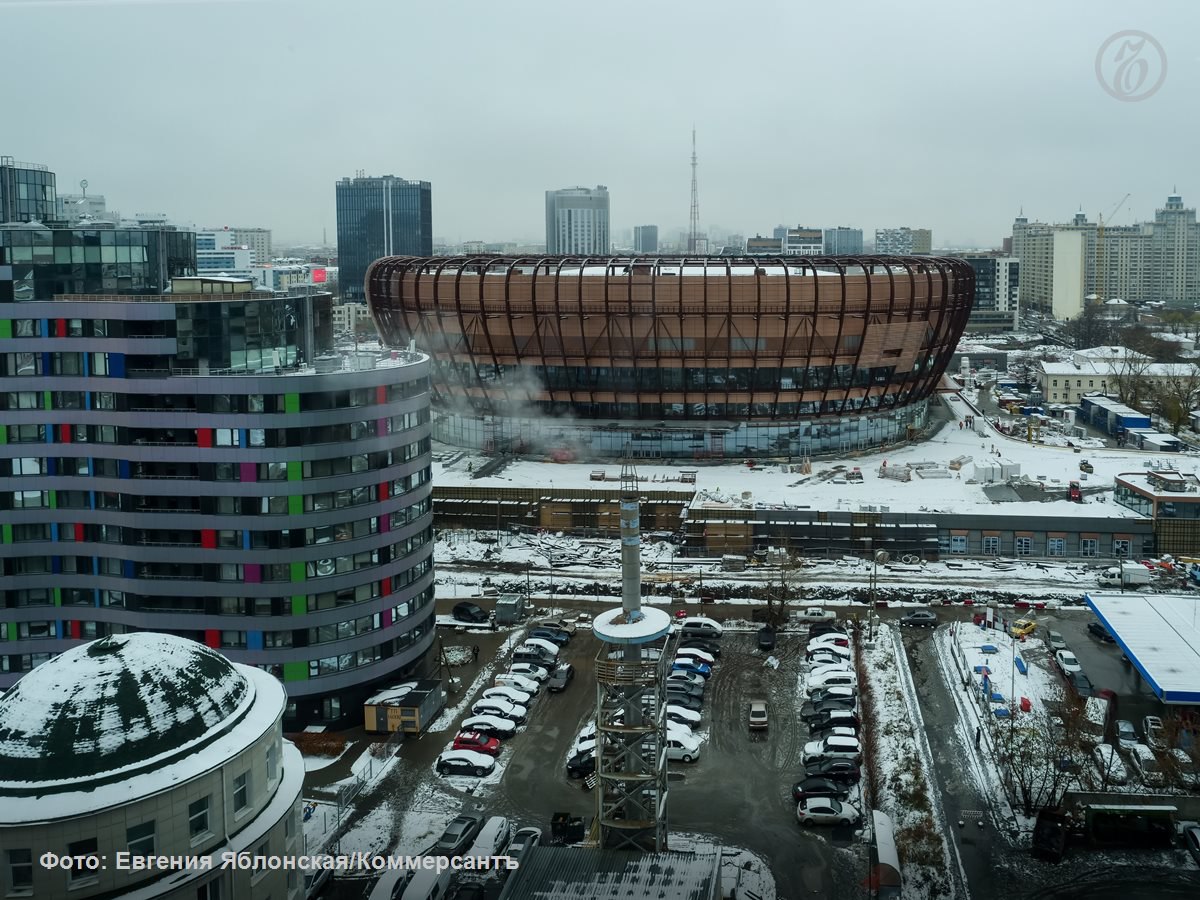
[376, 217]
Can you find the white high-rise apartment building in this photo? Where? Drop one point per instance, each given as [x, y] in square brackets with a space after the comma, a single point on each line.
[1063, 264]
[257, 239]
[577, 221]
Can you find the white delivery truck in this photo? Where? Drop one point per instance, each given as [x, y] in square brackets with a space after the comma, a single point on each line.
[1126, 575]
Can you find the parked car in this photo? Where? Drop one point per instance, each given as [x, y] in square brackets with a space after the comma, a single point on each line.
[1023, 627]
[493, 726]
[1112, 770]
[541, 644]
[553, 635]
[825, 811]
[833, 747]
[686, 696]
[493, 837]
[810, 711]
[682, 748]
[1056, 641]
[585, 743]
[825, 640]
[677, 676]
[1185, 769]
[840, 731]
[758, 715]
[824, 668]
[581, 765]
[920, 618]
[766, 638]
[518, 682]
[831, 678]
[559, 625]
[469, 612]
[816, 614]
[459, 835]
[835, 693]
[823, 657]
[563, 674]
[1081, 684]
[697, 654]
[691, 667]
[826, 628]
[512, 695]
[819, 787]
[834, 717]
[712, 648]
[464, 762]
[494, 706]
[835, 770]
[1146, 764]
[1126, 735]
[681, 714]
[830, 650]
[1155, 732]
[1098, 630]
[477, 741]
[1067, 662]
[699, 626]
[523, 840]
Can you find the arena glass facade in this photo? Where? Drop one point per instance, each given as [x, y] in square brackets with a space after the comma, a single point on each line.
[678, 357]
[168, 463]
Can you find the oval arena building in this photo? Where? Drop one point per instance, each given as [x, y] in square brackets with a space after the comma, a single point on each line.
[673, 356]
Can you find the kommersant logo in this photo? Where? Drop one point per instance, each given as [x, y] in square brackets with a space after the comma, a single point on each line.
[1131, 66]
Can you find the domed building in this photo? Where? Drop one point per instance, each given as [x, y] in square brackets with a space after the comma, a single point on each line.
[152, 745]
[676, 357]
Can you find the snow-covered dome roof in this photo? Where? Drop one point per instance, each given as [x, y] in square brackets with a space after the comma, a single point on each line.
[116, 707]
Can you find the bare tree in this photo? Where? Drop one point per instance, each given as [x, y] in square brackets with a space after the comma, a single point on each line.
[1130, 380]
[1038, 759]
[1089, 328]
[1178, 395]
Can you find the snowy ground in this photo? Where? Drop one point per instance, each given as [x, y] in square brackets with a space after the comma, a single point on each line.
[903, 762]
[487, 672]
[316, 763]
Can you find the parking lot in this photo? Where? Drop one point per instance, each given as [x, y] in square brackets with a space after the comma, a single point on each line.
[738, 792]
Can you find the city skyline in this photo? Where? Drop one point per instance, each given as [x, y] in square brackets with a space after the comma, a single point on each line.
[898, 163]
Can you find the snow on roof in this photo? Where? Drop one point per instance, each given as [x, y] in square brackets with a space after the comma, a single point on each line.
[392, 694]
[612, 627]
[771, 487]
[27, 804]
[1160, 633]
[571, 873]
[110, 708]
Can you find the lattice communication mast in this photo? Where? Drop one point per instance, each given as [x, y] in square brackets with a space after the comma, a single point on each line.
[694, 219]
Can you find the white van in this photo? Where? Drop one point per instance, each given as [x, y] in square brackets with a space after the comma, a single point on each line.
[520, 682]
[426, 884]
[684, 748]
[1146, 764]
[699, 626]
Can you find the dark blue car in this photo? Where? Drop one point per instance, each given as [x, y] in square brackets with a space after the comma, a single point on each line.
[692, 666]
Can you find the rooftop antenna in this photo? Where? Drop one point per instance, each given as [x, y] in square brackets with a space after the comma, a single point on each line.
[694, 220]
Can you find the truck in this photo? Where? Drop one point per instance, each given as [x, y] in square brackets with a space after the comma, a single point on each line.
[1125, 575]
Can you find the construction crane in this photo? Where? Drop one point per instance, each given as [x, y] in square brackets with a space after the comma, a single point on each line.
[1101, 271]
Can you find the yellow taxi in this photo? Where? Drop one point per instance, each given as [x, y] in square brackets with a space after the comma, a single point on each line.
[1023, 627]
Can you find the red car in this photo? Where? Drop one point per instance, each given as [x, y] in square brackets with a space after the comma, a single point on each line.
[480, 743]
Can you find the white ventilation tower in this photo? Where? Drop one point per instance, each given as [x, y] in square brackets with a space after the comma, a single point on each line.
[631, 757]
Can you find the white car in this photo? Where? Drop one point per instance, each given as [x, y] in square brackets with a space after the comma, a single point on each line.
[1112, 770]
[542, 644]
[464, 762]
[585, 743]
[678, 677]
[682, 748]
[529, 670]
[1067, 662]
[830, 650]
[512, 695]
[682, 715]
[819, 669]
[832, 748]
[837, 640]
[824, 657]
[825, 811]
[817, 614]
[494, 706]
[696, 654]
[831, 678]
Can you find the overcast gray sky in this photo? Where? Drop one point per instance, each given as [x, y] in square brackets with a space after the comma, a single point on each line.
[948, 115]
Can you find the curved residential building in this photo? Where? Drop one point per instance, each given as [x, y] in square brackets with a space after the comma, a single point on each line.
[146, 745]
[679, 357]
[198, 463]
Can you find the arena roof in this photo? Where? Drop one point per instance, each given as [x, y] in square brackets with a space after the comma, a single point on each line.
[1160, 634]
